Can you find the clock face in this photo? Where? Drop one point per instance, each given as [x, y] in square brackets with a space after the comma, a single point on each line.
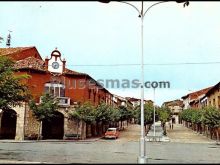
[55, 65]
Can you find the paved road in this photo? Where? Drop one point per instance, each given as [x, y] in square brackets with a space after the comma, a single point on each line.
[179, 133]
[122, 150]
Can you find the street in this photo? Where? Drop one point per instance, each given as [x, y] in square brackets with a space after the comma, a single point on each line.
[122, 150]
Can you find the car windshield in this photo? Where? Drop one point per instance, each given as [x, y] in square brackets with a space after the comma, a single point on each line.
[111, 130]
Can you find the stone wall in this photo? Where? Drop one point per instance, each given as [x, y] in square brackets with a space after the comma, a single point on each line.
[32, 126]
[28, 125]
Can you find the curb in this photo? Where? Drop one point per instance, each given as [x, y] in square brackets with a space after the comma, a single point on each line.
[38, 141]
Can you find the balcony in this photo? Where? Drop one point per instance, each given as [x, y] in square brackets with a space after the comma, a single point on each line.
[62, 101]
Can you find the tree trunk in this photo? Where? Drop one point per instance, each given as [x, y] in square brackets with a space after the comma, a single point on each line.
[121, 125]
[217, 135]
[210, 133]
[93, 129]
[77, 131]
[206, 130]
[40, 131]
[88, 130]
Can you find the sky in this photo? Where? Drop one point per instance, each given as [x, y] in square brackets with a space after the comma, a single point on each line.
[96, 38]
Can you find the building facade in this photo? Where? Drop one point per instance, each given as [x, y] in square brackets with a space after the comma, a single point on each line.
[213, 96]
[49, 76]
[195, 99]
[176, 107]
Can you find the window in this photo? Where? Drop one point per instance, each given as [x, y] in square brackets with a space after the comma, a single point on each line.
[55, 89]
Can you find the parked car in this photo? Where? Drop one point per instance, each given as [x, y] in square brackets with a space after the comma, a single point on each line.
[112, 133]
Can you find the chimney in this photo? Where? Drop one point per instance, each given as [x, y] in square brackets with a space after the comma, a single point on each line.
[46, 62]
[64, 64]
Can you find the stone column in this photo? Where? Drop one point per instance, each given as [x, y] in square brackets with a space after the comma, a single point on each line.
[83, 130]
[66, 130]
[1, 113]
[20, 121]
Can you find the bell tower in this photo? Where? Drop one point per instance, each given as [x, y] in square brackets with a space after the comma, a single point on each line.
[55, 64]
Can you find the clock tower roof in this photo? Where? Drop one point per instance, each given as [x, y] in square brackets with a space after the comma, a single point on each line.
[56, 53]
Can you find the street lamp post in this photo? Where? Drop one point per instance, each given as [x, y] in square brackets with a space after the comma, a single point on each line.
[154, 114]
[142, 158]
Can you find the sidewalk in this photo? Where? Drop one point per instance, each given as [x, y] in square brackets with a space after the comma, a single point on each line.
[185, 135]
[49, 140]
[20, 162]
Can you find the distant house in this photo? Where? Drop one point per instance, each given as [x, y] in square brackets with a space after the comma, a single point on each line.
[136, 101]
[176, 106]
[213, 96]
[122, 101]
[194, 99]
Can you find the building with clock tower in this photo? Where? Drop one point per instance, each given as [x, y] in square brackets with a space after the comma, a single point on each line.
[50, 76]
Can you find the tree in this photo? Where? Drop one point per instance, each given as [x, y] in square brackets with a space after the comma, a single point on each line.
[123, 114]
[13, 90]
[212, 119]
[115, 115]
[148, 114]
[45, 110]
[164, 114]
[84, 112]
[102, 114]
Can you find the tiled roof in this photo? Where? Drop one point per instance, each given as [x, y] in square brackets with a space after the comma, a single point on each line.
[215, 87]
[173, 103]
[9, 51]
[37, 64]
[30, 63]
[71, 72]
[195, 95]
[136, 99]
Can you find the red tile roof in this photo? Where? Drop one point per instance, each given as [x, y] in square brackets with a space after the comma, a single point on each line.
[30, 63]
[136, 99]
[71, 72]
[9, 51]
[174, 103]
[37, 64]
[195, 95]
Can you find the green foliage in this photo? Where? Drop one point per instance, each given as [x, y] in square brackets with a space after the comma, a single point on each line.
[115, 115]
[103, 113]
[123, 113]
[196, 116]
[46, 109]
[84, 112]
[12, 90]
[211, 117]
[187, 114]
[148, 113]
[164, 114]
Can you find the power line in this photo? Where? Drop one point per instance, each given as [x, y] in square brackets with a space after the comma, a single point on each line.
[150, 64]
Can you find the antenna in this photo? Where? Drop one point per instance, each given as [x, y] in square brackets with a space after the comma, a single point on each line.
[8, 42]
[1, 39]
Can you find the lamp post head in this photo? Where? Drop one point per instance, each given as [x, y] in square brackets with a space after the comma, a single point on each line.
[103, 1]
[186, 3]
